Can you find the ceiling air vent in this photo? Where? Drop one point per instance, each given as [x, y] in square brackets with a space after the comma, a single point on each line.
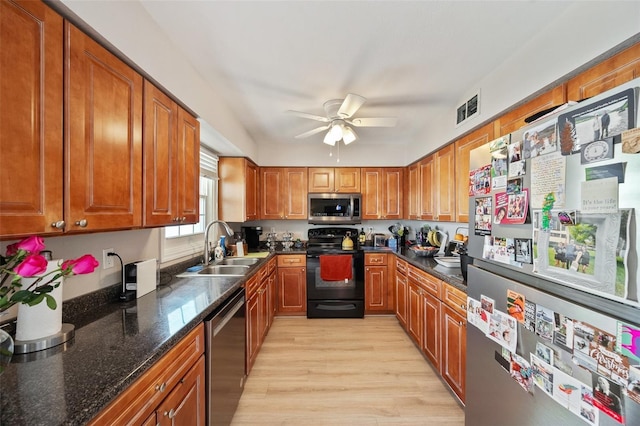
[468, 109]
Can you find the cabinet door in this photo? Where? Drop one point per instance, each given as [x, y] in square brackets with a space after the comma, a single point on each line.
[271, 185]
[414, 313]
[514, 119]
[103, 141]
[413, 191]
[618, 69]
[431, 331]
[463, 147]
[444, 174]
[392, 192]
[371, 194]
[347, 179]
[295, 193]
[253, 329]
[30, 119]
[160, 149]
[188, 168]
[454, 349]
[251, 195]
[426, 208]
[321, 179]
[401, 299]
[375, 289]
[292, 290]
[185, 405]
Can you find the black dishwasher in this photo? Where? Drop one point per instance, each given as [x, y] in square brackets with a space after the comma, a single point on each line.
[225, 359]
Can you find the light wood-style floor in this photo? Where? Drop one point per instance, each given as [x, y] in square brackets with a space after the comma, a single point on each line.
[343, 372]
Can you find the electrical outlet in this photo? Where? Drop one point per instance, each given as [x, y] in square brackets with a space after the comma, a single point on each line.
[107, 261]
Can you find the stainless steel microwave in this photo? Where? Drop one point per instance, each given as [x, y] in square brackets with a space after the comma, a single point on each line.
[331, 208]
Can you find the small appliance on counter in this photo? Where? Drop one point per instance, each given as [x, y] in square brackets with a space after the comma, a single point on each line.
[140, 277]
[252, 237]
[379, 240]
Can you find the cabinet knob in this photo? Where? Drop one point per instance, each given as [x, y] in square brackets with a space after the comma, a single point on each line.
[59, 224]
[161, 387]
[81, 223]
[171, 413]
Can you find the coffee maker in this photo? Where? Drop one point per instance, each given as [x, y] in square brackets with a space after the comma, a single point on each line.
[252, 236]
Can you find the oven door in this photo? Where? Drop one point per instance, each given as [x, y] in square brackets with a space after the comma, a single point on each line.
[317, 288]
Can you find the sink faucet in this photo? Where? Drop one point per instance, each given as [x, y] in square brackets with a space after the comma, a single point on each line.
[227, 228]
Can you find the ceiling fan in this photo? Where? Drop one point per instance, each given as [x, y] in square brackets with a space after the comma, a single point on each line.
[339, 119]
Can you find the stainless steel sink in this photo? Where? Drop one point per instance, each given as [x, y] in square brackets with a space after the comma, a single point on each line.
[226, 270]
[240, 261]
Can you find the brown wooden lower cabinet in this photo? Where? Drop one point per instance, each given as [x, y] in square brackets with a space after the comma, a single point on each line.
[186, 404]
[292, 284]
[433, 314]
[260, 295]
[454, 349]
[378, 296]
[175, 385]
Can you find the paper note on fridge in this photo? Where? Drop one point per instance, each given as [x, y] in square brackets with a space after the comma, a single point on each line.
[599, 196]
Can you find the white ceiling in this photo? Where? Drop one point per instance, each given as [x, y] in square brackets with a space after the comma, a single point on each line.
[411, 60]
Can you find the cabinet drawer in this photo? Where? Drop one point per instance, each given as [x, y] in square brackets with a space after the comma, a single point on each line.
[455, 298]
[401, 266]
[426, 281]
[136, 403]
[372, 259]
[263, 273]
[251, 286]
[272, 265]
[292, 260]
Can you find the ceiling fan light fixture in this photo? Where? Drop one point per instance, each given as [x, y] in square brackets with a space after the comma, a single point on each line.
[348, 135]
[336, 131]
[329, 139]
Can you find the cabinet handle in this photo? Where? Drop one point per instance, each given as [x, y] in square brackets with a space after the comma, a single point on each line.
[82, 223]
[59, 224]
[171, 413]
[183, 218]
[161, 387]
[463, 307]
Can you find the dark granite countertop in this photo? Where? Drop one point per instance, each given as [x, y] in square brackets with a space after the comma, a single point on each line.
[70, 384]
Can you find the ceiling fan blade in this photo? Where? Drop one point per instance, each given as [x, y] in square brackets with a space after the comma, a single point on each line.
[350, 105]
[374, 122]
[311, 116]
[312, 132]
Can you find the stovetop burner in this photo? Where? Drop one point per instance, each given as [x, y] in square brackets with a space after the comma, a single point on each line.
[329, 239]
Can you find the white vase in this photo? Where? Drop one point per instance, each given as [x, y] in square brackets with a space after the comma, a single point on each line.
[39, 321]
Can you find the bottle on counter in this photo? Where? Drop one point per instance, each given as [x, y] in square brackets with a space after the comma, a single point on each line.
[362, 237]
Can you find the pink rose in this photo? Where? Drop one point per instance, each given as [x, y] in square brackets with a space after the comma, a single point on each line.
[33, 244]
[33, 264]
[82, 265]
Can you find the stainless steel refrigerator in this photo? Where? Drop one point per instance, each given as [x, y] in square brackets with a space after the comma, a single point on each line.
[564, 267]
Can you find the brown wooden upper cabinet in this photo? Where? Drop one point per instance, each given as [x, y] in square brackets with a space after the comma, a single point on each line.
[171, 161]
[514, 119]
[334, 179]
[31, 120]
[463, 147]
[238, 189]
[382, 192]
[283, 193]
[431, 186]
[103, 137]
[618, 69]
